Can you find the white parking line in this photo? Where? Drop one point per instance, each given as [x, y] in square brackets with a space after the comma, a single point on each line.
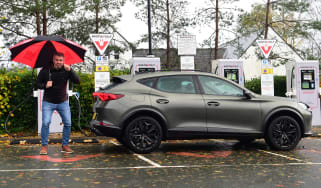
[153, 167]
[283, 156]
[313, 139]
[140, 156]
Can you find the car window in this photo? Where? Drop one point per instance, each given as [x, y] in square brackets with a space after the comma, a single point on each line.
[176, 84]
[149, 82]
[216, 86]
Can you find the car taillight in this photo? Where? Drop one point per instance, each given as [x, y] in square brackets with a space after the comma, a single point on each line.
[107, 96]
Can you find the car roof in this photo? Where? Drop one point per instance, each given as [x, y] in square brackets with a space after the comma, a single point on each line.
[167, 73]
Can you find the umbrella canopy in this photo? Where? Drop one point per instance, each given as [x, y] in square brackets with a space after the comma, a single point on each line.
[38, 51]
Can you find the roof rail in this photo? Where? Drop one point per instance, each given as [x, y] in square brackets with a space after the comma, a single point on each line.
[172, 70]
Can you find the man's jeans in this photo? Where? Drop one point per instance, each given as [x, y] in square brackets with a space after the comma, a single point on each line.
[47, 110]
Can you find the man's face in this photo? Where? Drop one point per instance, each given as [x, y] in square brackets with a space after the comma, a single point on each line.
[58, 62]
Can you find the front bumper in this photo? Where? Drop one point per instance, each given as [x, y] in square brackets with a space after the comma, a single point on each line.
[104, 130]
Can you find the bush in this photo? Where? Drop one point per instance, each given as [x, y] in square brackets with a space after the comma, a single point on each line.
[16, 85]
[279, 85]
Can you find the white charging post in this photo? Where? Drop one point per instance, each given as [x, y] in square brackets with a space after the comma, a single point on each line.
[304, 86]
[56, 125]
[145, 64]
[231, 69]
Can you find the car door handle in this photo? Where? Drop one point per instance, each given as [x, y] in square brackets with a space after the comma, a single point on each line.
[162, 101]
[213, 103]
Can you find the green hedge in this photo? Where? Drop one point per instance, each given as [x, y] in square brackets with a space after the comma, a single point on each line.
[279, 85]
[16, 85]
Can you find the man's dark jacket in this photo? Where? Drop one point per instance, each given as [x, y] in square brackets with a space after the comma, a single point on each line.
[57, 93]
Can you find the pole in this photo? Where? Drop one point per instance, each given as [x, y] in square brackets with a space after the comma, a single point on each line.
[267, 19]
[149, 30]
[216, 31]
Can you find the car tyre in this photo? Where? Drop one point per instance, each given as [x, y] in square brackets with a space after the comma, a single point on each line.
[143, 134]
[283, 133]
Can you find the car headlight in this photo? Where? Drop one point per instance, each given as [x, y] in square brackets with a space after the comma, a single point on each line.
[305, 106]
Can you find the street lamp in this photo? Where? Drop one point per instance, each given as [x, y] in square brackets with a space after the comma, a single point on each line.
[149, 30]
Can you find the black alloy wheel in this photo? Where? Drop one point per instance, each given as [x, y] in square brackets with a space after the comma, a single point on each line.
[143, 134]
[284, 133]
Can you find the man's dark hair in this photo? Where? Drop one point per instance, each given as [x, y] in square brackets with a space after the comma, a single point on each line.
[60, 54]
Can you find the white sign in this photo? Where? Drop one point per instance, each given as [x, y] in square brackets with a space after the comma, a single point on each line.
[145, 64]
[186, 44]
[101, 80]
[187, 63]
[101, 41]
[267, 79]
[102, 61]
[266, 46]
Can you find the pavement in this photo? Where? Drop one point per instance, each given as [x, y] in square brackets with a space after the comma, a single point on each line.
[78, 137]
[178, 164]
[316, 131]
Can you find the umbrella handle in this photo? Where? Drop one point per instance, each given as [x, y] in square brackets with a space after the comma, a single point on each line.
[49, 75]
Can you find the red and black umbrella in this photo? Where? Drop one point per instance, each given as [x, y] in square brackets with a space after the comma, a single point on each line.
[38, 51]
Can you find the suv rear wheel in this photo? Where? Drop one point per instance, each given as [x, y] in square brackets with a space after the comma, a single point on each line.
[283, 133]
[143, 134]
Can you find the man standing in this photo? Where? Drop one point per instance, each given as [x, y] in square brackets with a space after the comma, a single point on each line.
[54, 82]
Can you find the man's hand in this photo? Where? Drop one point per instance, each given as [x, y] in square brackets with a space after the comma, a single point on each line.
[67, 67]
[49, 84]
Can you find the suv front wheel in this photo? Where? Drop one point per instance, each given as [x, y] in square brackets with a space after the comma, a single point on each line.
[143, 134]
[283, 133]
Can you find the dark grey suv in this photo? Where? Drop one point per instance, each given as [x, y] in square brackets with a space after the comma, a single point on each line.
[142, 110]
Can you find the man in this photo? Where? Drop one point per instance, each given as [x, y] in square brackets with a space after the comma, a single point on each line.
[54, 82]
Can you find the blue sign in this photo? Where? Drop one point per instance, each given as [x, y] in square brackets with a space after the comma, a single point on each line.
[99, 58]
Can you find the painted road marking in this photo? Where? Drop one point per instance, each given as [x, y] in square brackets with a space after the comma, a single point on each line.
[213, 154]
[158, 167]
[61, 160]
[139, 156]
[284, 156]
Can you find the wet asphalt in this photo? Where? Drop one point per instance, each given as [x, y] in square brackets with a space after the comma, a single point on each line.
[197, 163]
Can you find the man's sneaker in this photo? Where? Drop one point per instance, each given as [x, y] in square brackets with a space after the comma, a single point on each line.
[66, 149]
[44, 150]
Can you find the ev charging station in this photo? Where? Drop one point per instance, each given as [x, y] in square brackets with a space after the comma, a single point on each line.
[145, 64]
[232, 69]
[303, 85]
[56, 125]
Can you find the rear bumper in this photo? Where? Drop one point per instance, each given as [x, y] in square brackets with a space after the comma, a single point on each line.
[104, 130]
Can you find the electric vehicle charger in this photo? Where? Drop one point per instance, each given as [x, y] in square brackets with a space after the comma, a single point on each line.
[30, 96]
[76, 95]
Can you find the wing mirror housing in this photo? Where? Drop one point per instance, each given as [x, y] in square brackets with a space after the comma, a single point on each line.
[247, 94]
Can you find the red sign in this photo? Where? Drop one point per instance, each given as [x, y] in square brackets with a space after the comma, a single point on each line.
[266, 46]
[101, 41]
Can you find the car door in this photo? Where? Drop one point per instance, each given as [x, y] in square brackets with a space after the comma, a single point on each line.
[227, 109]
[178, 99]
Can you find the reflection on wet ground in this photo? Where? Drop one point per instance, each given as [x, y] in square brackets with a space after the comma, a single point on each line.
[197, 163]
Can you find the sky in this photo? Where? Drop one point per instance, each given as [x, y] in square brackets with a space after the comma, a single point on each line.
[132, 28]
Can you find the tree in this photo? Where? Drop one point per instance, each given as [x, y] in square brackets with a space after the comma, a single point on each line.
[215, 13]
[94, 16]
[25, 18]
[288, 18]
[168, 18]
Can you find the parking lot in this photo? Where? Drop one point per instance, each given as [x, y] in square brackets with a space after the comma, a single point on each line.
[196, 163]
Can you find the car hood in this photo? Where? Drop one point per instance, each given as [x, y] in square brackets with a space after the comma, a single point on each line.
[273, 98]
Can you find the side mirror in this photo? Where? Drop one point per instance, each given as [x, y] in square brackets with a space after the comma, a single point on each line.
[247, 95]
